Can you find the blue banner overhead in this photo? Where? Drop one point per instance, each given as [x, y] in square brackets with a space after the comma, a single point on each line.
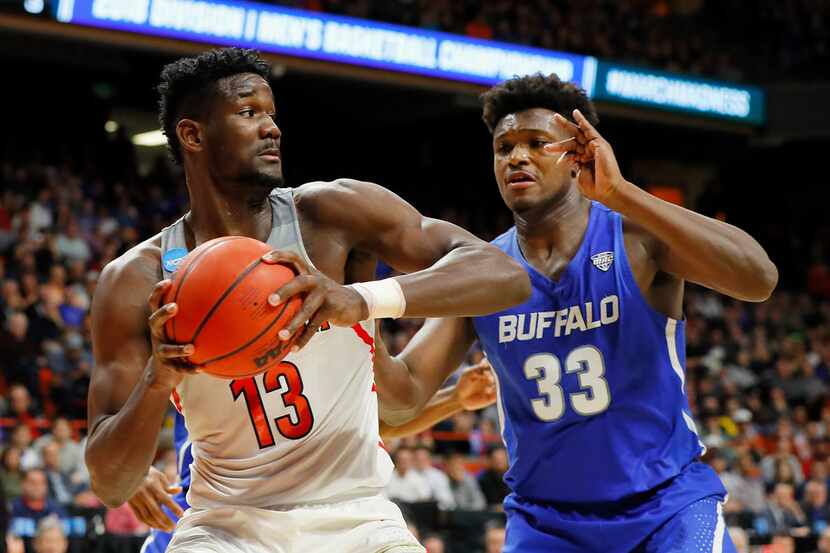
[346, 40]
[326, 37]
[671, 91]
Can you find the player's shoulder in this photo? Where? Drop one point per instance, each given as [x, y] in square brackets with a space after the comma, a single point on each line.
[505, 239]
[336, 190]
[137, 269]
[339, 200]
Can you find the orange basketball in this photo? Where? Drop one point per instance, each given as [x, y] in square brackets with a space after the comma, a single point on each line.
[222, 290]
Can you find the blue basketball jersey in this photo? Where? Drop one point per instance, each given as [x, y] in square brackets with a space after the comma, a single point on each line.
[158, 540]
[181, 441]
[590, 379]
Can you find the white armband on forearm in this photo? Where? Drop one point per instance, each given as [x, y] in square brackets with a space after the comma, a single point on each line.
[384, 298]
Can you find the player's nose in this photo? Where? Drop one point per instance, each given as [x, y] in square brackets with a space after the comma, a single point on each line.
[519, 155]
[271, 130]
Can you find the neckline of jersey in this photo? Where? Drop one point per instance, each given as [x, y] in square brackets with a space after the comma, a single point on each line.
[565, 277]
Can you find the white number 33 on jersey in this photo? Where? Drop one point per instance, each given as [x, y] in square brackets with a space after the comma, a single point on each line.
[546, 370]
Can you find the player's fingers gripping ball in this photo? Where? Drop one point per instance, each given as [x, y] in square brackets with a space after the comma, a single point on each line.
[222, 289]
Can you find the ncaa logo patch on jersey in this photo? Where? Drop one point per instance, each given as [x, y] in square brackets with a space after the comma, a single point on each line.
[603, 260]
[172, 258]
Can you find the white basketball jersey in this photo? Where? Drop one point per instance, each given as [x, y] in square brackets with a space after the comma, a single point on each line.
[304, 431]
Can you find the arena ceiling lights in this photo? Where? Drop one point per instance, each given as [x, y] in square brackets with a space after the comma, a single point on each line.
[396, 48]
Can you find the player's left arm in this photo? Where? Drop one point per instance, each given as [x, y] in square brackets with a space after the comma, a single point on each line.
[449, 272]
[687, 245]
[475, 389]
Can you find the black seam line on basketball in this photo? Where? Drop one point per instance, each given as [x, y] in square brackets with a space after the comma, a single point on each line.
[252, 340]
[190, 268]
[239, 278]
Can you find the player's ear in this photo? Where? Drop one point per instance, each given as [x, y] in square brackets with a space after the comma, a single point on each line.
[190, 135]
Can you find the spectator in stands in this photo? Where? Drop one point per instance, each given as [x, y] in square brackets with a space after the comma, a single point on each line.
[739, 538]
[61, 488]
[18, 348]
[14, 544]
[783, 512]
[823, 545]
[771, 465]
[782, 543]
[45, 321]
[491, 480]
[406, 484]
[40, 213]
[815, 505]
[71, 453]
[50, 537]
[122, 521]
[745, 486]
[21, 409]
[20, 406]
[434, 544]
[465, 489]
[33, 505]
[494, 538]
[71, 246]
[11, 475]
[22, 439]
[71, 390]
[439, 482]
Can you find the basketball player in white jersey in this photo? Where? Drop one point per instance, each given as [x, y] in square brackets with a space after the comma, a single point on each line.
[288, 461]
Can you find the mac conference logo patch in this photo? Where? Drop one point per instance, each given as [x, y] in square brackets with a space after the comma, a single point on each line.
[603, 260]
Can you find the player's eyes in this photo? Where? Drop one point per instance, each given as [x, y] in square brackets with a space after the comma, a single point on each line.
[538, 143]
[503, 149]
[247, 112]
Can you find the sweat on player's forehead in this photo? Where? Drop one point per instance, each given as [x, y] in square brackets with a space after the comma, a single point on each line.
[532, 120]
[243, 85]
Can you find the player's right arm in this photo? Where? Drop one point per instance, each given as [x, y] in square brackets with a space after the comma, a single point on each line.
[476, 389]
[406, 382]
[133, 376]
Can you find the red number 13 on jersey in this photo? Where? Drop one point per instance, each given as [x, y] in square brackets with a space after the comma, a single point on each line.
[291, 386]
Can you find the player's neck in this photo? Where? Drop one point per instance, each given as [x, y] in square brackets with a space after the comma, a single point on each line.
[213, 214]
[556, 231]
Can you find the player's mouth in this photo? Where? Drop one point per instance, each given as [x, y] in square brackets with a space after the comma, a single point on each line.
[271, 154]
[520, 180]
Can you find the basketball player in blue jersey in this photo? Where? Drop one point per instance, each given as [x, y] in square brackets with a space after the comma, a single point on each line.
[590, 370]
[159, 504]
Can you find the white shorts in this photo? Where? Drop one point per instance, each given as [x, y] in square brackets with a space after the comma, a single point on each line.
[372, 525]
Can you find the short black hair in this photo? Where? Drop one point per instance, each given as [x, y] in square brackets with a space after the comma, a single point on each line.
[187, 85]
[535, 91]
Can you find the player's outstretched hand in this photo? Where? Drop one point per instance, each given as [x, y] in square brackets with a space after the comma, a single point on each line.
[324, 299]
[476, 388]
[170, 364]
[148, 500]
[598, 173]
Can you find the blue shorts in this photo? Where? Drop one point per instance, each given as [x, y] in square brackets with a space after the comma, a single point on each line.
[158, 540]
[673, 518]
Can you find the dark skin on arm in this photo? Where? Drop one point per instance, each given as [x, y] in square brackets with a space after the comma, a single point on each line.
[232, 162]
[548, 169]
